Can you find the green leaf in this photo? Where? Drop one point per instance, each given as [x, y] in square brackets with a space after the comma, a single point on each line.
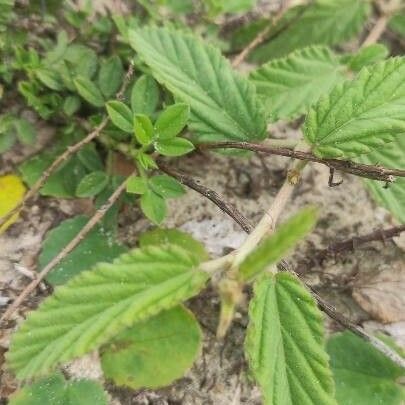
[392, 197]
[90, 158]
[363, 375]
[285, 343]
[174, 147]
[97, 246]
[97, 305]
[166, 186]
[146, 161]
[82, 60]
[92, 184]
[143, 129]
[137, 185]
[397, 24]
[171, 121]
[120, 115]
[7, 140]
[56, 390]
[155, 352]
[153, 206]
[223, 103]
[89, 91]
[145, 95]
[323, 22]
[164, 236]
[366, 56]
[71, 105]
[110, 76]
[360, 115]
[291, 85]
[49, 78]
[26, 132]
[276, 246]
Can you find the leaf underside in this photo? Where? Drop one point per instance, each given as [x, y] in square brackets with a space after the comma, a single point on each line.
[224, 105]
[289, 86]
[98, 304]
[360, 115]
[285, 343]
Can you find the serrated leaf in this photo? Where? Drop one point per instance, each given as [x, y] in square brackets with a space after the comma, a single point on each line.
[92, 184]
[143, 128]
[363, 375]
[155, 352]
[166, 186]
[97, 246]
[12, 191]
[110, 76]
[55, 389]
[276, 246]
[366, 56]
[153, 206]
[223, 104]
[285, 343]
[145, 95]
[323, 22]
[393, 196]
[164, 236]
[120, 115]
[97, 305]
[171, 121]
[89, 91]
[174, 147]
[291, 85]
[360, 115]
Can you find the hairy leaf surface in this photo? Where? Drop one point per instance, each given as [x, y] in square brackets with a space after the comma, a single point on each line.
[285, 343]
[291, 85]
[98, 304]
[223, 104]
[324, 22]
[360, 115]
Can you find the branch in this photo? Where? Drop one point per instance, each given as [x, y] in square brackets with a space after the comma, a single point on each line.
[261, 36]
[66, 155]
[92, 222]
[347, 166]
[212, 195]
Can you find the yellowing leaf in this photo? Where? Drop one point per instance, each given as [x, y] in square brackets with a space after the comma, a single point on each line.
[12, 191]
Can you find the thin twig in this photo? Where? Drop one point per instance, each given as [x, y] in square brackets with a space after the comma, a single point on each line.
[92, 222]
[66, 154]
[347, 166]
[261, 36]
[212, 195]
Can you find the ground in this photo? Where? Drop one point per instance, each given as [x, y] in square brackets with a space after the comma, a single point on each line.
[363, 284]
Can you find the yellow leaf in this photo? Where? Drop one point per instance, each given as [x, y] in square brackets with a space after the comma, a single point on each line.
[11, 193]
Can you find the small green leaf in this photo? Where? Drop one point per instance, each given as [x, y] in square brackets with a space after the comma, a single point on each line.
[7, 140]
[120, 115]
[71, 105]
[166, 186]
[56, 390]
[97, 246]
[143, 129]
[90, 158]
[49, 78]
[97, 305]
[137, 185]
[82, 60]
[89, 91]
[171, 121]
[164, 236]
[366, 56]
[153, 206]
[92, 184]
[361, 115]
[397, 24]
[146, 161]
[174, 147]
[276, 246]
[363, 375]
[145, 95]
[285, 343]
[155, 352]
[26, 132]
[110, 76]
